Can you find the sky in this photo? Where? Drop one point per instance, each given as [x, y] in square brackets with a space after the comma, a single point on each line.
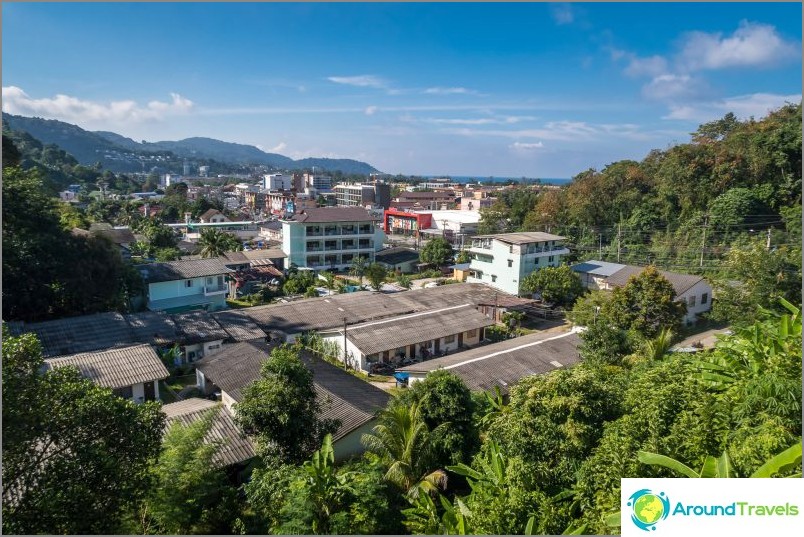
[541, 90]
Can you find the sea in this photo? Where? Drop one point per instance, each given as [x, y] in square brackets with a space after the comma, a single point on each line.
[463, 179]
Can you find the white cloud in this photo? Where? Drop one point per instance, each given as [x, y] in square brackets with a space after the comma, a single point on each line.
[361, 81]
[371, 110]
[743, 106]
[567, 131]
[67, 108]
[499, 120]
[281, 146]
[670, 87]
[562, 14]
[525, 146]
[651, 66]
[751, 45]
[450, 91]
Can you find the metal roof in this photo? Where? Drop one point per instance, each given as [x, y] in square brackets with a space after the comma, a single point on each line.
[393, 256]
[154, 327]
[238, 325]
[598, 268]
[198, 326]
[81, 334]
[116, 368]
[235, 446]
[332, 215]
[398, 332]
[522, 238]
[680, 282]
[184, 270]
[506, 363]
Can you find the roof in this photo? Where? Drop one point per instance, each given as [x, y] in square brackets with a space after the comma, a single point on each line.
[460, 266]
[275, 225]
[238, 325]
[507, 362]
[507, 301]
[342, 395]
[426, 195]
[332, 214]
[522, 238]
[267, 253]
[598, 268]
[183, 270]
[394, 256]
[197, 327]
[154, 327]
[210, 213]
[399, 332]
[118, 235]
[116, 368]
[236, 447]
[680, 282]
[187, 246]
[81, 334]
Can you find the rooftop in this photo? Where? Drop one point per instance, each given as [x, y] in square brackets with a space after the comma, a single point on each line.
[503, 364]
[393, 256]
[235, 447]
[598, 268]
[116, 368]
[680, 282]
[426, 195]
[118, 235]
[522, 238]
[183, 270]
[332, 214]
[238, 325]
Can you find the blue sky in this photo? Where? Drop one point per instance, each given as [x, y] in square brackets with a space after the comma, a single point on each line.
[536, 90]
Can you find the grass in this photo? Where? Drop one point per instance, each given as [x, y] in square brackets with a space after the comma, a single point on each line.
[165, 394]
[180, 382]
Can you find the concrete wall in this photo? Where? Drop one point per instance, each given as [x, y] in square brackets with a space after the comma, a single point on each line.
[696, 291]
[494, 262]
[351, 445]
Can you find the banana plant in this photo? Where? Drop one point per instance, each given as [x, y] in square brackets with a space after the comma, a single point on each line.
[721, 467]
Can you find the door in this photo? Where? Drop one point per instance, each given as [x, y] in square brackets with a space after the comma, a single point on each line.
[150, 395]
[438, 345]
[460, 340]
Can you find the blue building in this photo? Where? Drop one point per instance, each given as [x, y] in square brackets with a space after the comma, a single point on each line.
[177, 286]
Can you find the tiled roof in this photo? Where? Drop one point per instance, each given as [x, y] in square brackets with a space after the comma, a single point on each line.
[332, 214]
[522, 238]
[183, 270]
[342, 396]
[399, 332]
[116, 368]
[504, 364]
[238, 325]
[209, 214]
[680, 282]
[236, 447]
[232, 258]
[394, 256]
[268, 253]
[598, 268]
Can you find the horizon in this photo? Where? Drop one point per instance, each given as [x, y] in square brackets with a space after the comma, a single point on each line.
[468, 90]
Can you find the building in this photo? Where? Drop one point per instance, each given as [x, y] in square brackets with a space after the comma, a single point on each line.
[503, 260]
[121, 237]
[131, 372]
[474, 201]
[501, 365]
[429, 200]
[330, 237]
[441, 183]
[402, 222]
[363, 194]
[272, 230]
[317, 181]
[694, 291]
[178, 286]
[418, 335]
[398, 259]
[277, 181]
[213, 216]
[342, 396]
[453, 225]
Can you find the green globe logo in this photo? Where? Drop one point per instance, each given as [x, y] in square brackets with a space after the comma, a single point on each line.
[648, 508]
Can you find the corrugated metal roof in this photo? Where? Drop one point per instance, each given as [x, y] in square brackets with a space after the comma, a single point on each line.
[598, 268]
[184, 269]
[680, 282]
[399, 332]
[236, 447]
[393, 256]
[506, 363]
[522, 238]
[238, 325]
[198, 326]
[85, 333]
[154, 327]
[116, 368]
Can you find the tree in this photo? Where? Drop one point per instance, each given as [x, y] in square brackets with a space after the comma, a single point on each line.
[298, 282]
[329, 280]
[587, 308]
[463, 257]
[559, 285]
[75, 456]
[358, 268]
[215, 243]
[603, 343]
[280, 409]
[404, 281]
[645, 305]
[658, 347]
[436, 252]
[446, 407]
[402, 440]
[493, 219]
[191, 493]
[376, 274]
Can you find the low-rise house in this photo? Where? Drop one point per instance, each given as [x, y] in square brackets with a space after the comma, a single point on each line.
[419, 335]
[594, 274]
[398, 259]
[122, 237]
[505, 259]
[213, 216]
[342, 396]
[501, 365]
[131, 372]
[272, 230]
[178, 286]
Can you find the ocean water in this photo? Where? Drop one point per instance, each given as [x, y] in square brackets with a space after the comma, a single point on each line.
[463, 179]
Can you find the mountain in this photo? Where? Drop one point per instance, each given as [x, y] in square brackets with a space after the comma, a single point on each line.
[121, 154]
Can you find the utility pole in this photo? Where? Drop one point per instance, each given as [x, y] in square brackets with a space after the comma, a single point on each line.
[767, 244]
[345, 363]
[703, 242]
[600, 247]
[619, 233]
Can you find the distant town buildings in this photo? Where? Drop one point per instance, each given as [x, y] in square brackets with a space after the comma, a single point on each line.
[361, 195]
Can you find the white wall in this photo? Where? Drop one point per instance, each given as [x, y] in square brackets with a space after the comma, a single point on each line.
[138, 392]
[351, 445]
[697, 291]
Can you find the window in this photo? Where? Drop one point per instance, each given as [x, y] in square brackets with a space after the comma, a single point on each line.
[213, 347]
[209, 281]
[550, 259]
[510, 263]
[494, 277]
[704, 298]
[691, 301]
[511, 249]
[191, 356]
[471, 333]
[125, 392]
[449, 339]
[188, 283]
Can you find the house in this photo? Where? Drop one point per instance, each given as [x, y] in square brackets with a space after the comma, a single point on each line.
[235, 448]
[460, 271]
[398, 259]
[342, 396]
[121, 237]
[330, 237]
[594, 274]
[277, 181]
[503, 260]
[455, 226]
[272, 230]
[418, 335]
[213, 216]
[131, 372]
[185, 285]
[502, 364]
[474, 201]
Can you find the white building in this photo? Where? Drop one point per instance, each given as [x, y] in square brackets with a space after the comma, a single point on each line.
[277, 181]
[503, 260]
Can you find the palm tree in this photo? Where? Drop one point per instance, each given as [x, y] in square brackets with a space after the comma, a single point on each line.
[656, 348]
[358, 268]
[215, 243]
[329, 280]
[401, 439]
